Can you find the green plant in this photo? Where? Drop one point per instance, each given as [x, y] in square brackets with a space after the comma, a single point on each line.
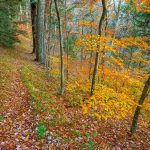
[41, 129]
[2, 117]
[90, 142]
[76, 133]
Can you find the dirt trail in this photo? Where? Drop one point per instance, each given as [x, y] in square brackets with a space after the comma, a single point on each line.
[17, 129]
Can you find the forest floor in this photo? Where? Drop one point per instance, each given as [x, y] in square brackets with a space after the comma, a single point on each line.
[33, 116]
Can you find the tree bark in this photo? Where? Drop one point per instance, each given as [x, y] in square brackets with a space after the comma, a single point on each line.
[33, 21]
[61, 50]
[48, 37]
[67, 74]
[82, 51]
[27, 14]
[97, 53]
[138, 108]
[41, 31]
[90, 65]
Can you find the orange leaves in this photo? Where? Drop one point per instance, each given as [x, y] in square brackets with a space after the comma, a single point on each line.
[131, 41]
[90, 6]
[92, 41]
[143, 5]
[87, 24]
[97, 43]
[117, 61]
[110, 32]
[92, 3]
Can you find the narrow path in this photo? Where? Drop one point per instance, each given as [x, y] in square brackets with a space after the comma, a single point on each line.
[17, 130]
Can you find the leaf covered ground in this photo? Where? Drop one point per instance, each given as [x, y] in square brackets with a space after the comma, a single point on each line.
[33, 116]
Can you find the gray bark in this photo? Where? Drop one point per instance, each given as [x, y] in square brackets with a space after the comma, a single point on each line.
[48, 38]
[41, 31]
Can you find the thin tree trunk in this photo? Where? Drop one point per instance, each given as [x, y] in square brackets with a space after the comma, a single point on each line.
[27, 13]
[21, 16]
[82, 51]
[138, 108]
[97, 53]
[41, 31]
[91, 53]
[95, 72]
[48, 38]
[61, 51]
[103, 54]
[67, 74]
[66, 34]
[49, 33]
[90, 65]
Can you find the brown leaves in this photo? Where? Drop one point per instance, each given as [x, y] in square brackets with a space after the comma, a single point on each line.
[18, 125]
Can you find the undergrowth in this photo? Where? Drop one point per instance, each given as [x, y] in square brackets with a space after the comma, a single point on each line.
[42, 101]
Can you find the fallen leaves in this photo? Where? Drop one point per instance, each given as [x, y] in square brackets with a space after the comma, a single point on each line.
[65, 126]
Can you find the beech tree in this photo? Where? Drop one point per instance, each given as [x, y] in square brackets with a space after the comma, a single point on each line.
[41, 31]
[61, 51]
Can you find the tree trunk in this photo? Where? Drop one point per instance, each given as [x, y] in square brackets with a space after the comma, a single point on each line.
[33, 21]
[27, 13]
[48, 35]
[67, 74]
[21, 16]
[41, 31]
[90, 65]
[61, 50]
[138, 108]
[82, 51]
[97, 53]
